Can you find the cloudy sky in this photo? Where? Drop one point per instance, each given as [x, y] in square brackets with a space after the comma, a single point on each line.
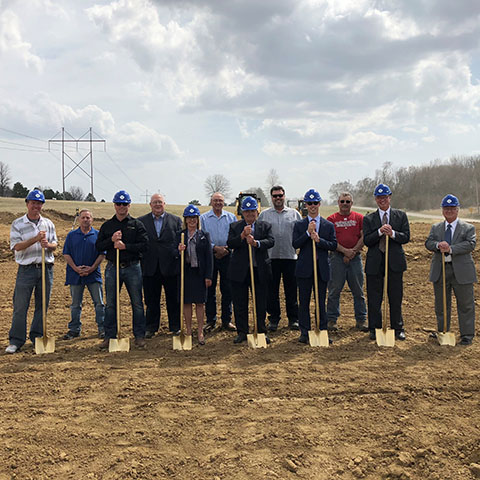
[321, 90]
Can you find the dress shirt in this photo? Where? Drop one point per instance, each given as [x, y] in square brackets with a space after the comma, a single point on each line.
[448, 257]
[282, 228]
[382, 213]
[158, 223]
[317, 222]
[217, 227]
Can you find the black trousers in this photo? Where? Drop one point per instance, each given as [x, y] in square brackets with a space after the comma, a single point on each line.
[375, 297]
[220, 268]
[240, 303]
[305, 287]
[152, 289]
[282, 268]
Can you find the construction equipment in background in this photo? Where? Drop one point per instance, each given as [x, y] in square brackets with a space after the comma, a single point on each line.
[238, 203]
[298, 205]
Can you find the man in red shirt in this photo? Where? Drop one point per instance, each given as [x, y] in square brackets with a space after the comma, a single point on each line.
[346, 263]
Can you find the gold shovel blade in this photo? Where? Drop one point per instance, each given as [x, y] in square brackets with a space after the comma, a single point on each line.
[385, 338]
[257, 341]
[318, 338]
[44, 345]
[119, 345]
[182, 342]
[446, 338]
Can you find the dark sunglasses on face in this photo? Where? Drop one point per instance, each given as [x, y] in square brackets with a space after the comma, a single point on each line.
[120, 204]
[280, 195]
[345, 201]
[313, 203]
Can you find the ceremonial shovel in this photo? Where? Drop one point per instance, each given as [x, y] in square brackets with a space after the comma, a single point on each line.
[317, 337]
[118, 344]
[44, 344]
[385, 336]
[255, 340]
[445, 337]
[182, 341]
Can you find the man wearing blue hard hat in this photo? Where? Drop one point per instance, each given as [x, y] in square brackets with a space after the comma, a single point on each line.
[258, 234]
[315, 227]
[376, 226]
[28, 235]
[453, 242]
[128, 235]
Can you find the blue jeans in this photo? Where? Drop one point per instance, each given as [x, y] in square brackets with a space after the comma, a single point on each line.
[29, 278]
[353, 274]
[76, 291]
[131, 276]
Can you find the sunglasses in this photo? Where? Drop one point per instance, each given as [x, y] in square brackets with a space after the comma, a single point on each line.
[120, 204]
[280, 195]
[345, 201]
[313, 203]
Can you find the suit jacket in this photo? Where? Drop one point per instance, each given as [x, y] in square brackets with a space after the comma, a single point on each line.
[239, 266]
[204, 253]
[396, 256]
[463, 243]
[328, 241]
[160, 247]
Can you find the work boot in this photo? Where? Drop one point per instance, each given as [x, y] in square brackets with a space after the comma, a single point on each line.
[104, 345]
[293, 325]
[140, 342]
[332, 326]
[70, 335]
[362, 326]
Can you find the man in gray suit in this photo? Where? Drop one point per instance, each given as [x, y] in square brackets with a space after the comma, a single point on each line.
[453, 241]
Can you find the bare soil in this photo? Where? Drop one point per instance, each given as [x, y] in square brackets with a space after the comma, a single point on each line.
[223, 411]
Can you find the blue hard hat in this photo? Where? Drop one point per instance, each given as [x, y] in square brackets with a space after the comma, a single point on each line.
[122, 197]
[312, 196]
[382, 189]
[36, 195]
[249, 203]
[450, 201]
[191, 211]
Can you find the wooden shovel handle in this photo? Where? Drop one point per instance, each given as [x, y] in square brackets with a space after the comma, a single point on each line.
[315, 285]
[385, 287]
[117, 296]
[182, 280]
[44, 296]
[252, 281]
[444, 294]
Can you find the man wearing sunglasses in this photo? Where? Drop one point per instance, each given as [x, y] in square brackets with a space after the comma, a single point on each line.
[385, 221]
[283, 259]
[322, 232]
[128, 235]
[346, 263]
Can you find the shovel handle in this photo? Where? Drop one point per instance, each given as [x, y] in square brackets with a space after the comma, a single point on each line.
[117, 293]
[315, 285]
[44, 297]
[385, 287]
[252, 281]
[182, 280]
[444, 294]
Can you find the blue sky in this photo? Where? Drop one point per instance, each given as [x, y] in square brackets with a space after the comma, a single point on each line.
[320, 90]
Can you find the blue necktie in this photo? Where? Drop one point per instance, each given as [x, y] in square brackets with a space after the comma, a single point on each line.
[448, 234]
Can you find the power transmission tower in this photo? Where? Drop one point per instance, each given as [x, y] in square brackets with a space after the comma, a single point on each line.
[90, 141]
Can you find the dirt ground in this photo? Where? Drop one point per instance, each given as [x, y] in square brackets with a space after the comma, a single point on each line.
[228, 412]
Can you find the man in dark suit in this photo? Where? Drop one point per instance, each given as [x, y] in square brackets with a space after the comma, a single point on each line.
[313, 226]
[453, 242]
[259, 235]
[394, 223]
[158, 265]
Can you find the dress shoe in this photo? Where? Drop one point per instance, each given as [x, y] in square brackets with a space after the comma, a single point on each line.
[140, 342]
[70, 335]
[176, 333]
[303, 338]
[372, 335]
[267, 340]
[241, 337]
[230, 327]
[209, 326]
[293, 325]
[465, 341]
[149, 334]
[201, 341]
[400, 335]
[362, 327]
[332, 326]
[104, 345]
[101, 334]
[272, 327]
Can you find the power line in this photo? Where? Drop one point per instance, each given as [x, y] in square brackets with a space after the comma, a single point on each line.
[21, 134]
[123, 171]
[24, 145]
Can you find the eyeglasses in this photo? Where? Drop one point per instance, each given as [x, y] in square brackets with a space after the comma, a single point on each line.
[121, 204]
[279, 195]
[313, 203]
[345, 201]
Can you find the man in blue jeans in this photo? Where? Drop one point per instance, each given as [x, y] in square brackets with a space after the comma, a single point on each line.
[83, 270]
[128, 235]
[28, 235]
[346, 263]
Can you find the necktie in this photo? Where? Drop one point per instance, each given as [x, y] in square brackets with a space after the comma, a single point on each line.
[383, 240]
[448, 234]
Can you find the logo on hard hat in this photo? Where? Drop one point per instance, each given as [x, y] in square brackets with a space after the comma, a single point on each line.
[380, 190]
[248, 204]
[192, 210]
[312, 195]
[37, 195]
[449, 200]
[122, 196]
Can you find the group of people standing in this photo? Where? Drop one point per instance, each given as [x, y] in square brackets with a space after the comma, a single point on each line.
[216, 247]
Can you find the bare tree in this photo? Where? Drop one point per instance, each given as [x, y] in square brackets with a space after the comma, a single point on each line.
[272, 179]
[337, 188]
[76, 193]
[217, 183]
[4, 179]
